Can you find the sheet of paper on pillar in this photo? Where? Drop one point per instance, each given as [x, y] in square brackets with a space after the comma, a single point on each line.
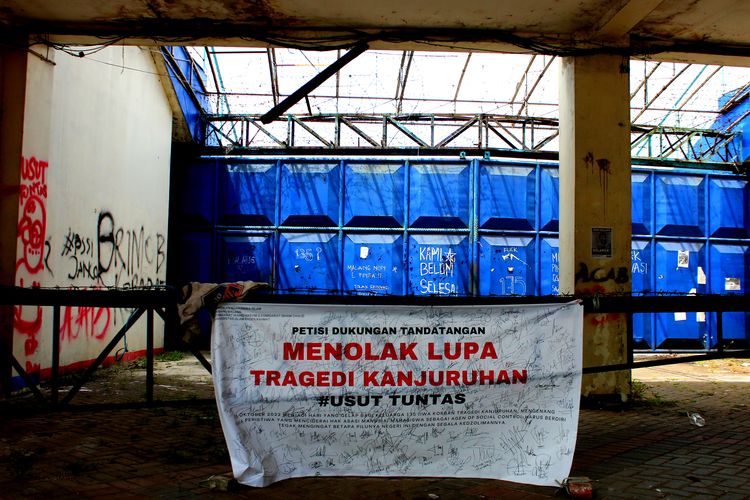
[601, 242]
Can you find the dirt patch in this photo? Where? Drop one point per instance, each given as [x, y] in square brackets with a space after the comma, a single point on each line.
[688, 423]
[177, 377]
[716, 370]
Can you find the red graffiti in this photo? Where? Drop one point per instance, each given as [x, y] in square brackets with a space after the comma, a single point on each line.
[32, 367]
[601, 319]
[33, 173]
[34, 170]
[32, 222]
[90, 321]
[31, 229]
[28, 326]
[592, 290]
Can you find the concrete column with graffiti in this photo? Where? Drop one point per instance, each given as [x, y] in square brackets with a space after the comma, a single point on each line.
[595, 205]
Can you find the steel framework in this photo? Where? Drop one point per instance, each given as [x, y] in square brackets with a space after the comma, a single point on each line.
[450, 132]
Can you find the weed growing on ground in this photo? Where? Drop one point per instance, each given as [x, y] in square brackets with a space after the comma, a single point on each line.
[644, 395]
[637, 390]
[140, 363]
[170, 356]
[137, 364]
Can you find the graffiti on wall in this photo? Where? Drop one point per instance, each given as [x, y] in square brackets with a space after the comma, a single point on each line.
[601, 274]
[32, 254]
[436, 265]
[84, 321]
[107, 254]
[115, 256]
[100, 253]
[133, 257]
[27, 322]
[32, 220]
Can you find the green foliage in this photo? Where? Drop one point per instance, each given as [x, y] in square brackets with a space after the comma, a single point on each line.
[638, 390]
[644, 395]
[170, 356]
[140, 363]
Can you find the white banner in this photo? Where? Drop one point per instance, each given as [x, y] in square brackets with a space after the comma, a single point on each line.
[463, 391]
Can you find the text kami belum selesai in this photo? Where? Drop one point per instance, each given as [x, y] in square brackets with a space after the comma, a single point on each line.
[389, 351]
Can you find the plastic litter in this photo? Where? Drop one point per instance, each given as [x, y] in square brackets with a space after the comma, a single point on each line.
[578, 487]
[696, 419]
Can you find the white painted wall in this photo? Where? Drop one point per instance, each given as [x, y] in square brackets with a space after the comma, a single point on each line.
[94, 195]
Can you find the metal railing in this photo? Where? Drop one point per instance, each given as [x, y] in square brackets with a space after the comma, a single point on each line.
[164, 301]
[147, 301]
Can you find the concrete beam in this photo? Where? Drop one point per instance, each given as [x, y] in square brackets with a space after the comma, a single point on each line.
[625, 18]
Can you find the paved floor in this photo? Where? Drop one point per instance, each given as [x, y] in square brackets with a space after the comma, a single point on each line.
[651, 450]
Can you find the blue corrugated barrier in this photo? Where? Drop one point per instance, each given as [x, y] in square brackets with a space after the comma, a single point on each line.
[462, 228]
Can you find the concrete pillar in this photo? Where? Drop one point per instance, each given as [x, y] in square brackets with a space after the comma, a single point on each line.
[12, 103]
[595, 218]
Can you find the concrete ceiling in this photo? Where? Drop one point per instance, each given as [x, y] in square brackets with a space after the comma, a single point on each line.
[709, 31]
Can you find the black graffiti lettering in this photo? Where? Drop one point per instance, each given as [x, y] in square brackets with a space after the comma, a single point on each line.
[622, 275]
[72, 276]
[69, 244]
[147, 250]
[75, 244]
[105, 241]
[47, 252]
[132, 251]
[600, 274]
[135, 249]
[126, 256]
[119, 260]
[83, 269]
[136, 281]
[160, 254]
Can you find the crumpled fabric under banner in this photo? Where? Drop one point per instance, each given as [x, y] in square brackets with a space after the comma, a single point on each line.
[195, 296]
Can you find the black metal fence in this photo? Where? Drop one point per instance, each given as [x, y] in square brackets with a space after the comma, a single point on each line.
[163, 302]
[147, 301]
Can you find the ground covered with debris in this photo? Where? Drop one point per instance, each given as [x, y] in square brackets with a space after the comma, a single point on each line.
[686, 435]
